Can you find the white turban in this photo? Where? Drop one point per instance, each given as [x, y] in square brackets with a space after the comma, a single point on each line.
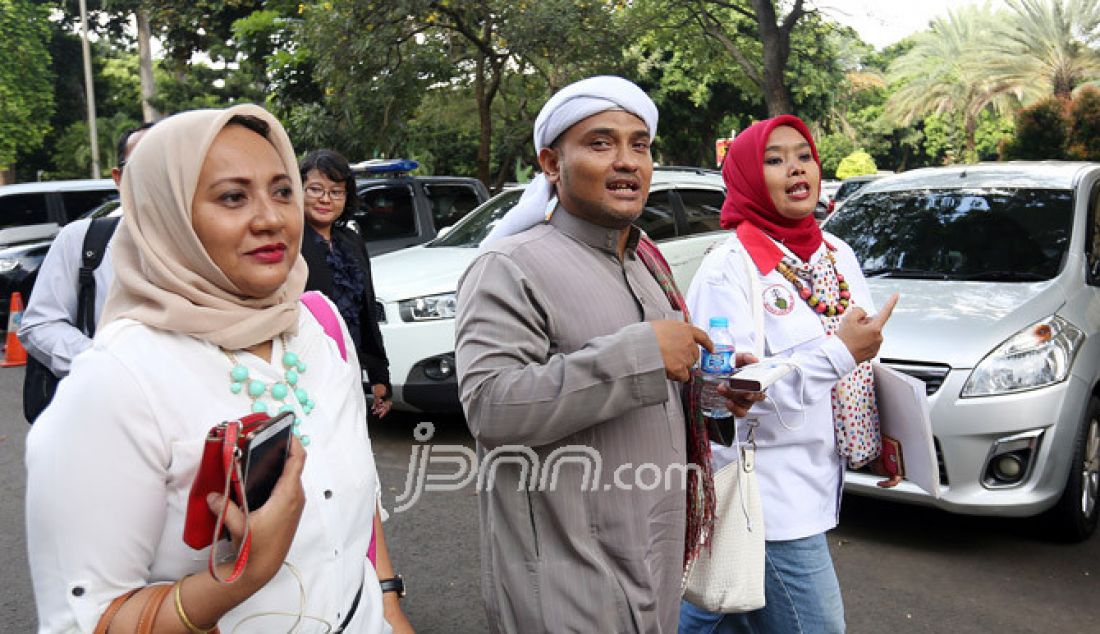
[569, 106]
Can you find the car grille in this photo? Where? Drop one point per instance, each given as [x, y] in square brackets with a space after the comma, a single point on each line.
[939, 461]
[932, 374]
[380, 312]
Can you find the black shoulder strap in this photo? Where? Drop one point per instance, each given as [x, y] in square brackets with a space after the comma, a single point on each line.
[99, 234]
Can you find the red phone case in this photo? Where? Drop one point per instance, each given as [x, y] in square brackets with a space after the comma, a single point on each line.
[198, 526]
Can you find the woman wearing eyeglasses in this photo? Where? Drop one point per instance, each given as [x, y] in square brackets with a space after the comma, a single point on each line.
[339, 266]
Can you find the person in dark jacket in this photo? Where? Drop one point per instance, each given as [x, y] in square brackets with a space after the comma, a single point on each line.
[339, 265]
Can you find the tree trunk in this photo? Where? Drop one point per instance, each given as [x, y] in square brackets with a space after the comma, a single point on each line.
[970, 154]
[484, 114]
[777, 47]
[503, 173]
[145, 67]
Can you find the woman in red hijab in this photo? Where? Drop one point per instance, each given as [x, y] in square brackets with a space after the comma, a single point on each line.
[806, 291]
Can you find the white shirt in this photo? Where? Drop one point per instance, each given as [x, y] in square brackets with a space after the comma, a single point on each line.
[798, 469]
[110, 464]
[48, 330]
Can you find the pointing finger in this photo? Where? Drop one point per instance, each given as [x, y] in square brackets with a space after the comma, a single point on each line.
[887, 309]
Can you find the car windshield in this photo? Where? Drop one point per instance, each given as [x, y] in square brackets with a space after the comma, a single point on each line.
[848, 188]
[471, 230]
[990, 234]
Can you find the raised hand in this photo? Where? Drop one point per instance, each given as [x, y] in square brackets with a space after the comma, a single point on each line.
[862, 335]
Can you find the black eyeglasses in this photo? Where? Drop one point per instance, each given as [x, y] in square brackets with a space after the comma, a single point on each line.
[318, 192]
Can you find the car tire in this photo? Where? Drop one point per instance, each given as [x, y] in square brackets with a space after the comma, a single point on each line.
[1075, 516]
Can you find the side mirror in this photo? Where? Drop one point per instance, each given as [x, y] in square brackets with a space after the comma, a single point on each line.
[444, 231]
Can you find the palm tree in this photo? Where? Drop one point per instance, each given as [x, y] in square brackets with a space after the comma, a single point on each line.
[941, 73]
[1043, 49]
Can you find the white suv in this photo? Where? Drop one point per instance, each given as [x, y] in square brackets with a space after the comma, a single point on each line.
[416, 286]
[998, 267]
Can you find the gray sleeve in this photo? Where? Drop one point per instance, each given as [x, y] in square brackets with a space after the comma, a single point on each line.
[515, 390]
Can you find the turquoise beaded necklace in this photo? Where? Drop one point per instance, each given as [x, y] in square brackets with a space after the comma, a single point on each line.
[279, 391]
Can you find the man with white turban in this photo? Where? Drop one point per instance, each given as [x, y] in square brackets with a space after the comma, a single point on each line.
[569, 355]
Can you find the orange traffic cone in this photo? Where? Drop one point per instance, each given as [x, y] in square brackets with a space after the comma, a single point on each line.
[14, 352]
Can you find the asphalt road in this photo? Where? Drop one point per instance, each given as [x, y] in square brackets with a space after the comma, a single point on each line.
[902, 569]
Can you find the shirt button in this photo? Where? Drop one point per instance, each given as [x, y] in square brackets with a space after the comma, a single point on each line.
[328, 494]
[78, 591]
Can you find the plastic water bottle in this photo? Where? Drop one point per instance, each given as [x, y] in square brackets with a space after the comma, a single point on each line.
[716, 367]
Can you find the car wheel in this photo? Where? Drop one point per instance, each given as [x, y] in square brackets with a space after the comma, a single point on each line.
[1076, 514]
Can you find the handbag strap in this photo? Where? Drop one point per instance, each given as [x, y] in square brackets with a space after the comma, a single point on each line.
[323, 313]
[148, 617]
[109, 614]
[149, 610]
[232, 464]
[756, 299]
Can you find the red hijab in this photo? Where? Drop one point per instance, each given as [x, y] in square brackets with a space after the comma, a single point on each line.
[747, 197]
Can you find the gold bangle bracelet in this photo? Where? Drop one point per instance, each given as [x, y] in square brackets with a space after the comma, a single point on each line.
[183, 615]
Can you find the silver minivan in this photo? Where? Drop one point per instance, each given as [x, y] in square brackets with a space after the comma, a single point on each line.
[998, 267]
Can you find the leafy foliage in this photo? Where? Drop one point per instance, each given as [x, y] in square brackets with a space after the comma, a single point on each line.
[1040, 131]
[942, 73]
[832, 149]
[1042, 48]
[26, 95]
[856, 164]
[1084, 125]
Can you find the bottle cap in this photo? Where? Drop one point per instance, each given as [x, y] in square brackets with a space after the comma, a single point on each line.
[719, 322]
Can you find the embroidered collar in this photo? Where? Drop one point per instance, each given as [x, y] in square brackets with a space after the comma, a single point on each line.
[594, 235]
[765, 252]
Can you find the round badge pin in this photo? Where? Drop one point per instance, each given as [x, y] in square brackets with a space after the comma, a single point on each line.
[778, 300]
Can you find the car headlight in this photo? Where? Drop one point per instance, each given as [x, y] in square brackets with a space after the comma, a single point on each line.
[7, 265]
[429, 308]
[1037, 356]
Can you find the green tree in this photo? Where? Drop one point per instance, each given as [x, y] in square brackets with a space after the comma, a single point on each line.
[402, 50]
[703, 93]
[26, 95]
[72, 153]
[1040, 131]
[1043, 48]
[832, 149]
[942, 73]
[755, 35]
[1084, 125]
[856, 164]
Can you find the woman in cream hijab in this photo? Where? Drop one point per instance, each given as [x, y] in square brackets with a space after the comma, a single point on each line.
[203, 325]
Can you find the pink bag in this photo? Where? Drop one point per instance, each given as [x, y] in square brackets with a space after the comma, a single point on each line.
[323, 313]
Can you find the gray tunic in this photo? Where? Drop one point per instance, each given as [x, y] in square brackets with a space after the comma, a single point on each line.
[585, 531]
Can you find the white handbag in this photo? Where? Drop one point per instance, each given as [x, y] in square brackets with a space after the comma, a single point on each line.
[729, 577]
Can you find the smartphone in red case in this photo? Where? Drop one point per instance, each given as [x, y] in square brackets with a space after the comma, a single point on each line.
[261, 447]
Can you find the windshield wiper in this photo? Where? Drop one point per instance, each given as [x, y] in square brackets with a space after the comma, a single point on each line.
[1003, 276]
[919, 274]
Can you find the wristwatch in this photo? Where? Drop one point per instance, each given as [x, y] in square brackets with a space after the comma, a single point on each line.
[393, 584]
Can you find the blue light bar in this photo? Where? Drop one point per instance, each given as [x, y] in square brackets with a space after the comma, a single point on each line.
[385, 166]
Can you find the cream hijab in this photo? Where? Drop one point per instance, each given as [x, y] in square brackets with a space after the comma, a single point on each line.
[163, 275]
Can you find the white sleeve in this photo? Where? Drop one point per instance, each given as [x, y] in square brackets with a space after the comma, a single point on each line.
[720, 289]
[96, 500]
[48, 330]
